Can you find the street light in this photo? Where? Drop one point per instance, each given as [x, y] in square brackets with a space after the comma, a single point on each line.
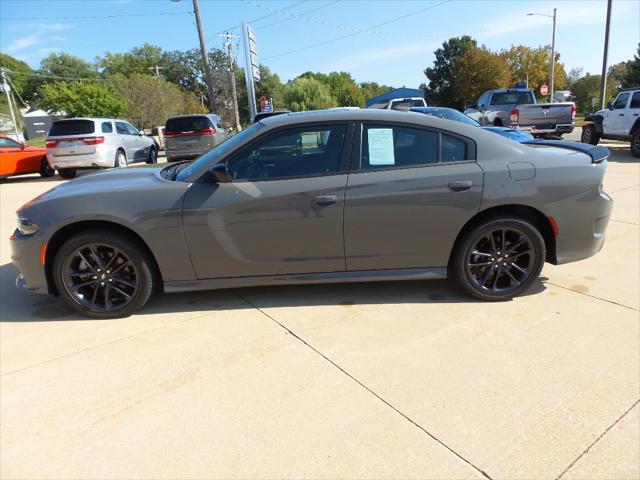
[553, 45]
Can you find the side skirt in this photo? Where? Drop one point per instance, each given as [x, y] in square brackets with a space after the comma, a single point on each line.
[308, 278]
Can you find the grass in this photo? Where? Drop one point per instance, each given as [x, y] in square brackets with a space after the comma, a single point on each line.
[37, 142]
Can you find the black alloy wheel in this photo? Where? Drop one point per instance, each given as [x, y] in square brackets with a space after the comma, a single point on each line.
[103, 274]
[499, 259]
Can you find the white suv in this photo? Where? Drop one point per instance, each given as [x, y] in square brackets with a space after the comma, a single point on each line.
[619, 121]
[82, 143]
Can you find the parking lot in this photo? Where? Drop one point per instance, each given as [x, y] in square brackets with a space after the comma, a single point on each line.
[386, 380]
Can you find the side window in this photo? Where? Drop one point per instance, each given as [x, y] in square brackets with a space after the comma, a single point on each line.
[453, 149]
[8, 143]
[389, 147]
[291, 153]
[121, 128]
[107, 127]
[621, 101]
[635, 100]
[131, 129]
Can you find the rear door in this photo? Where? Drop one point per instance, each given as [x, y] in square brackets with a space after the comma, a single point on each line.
[634, 112]
[409, 194]
[283, 211]
[122, 132]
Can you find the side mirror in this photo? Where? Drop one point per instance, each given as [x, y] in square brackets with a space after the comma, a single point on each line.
[22, 145]
[610, 105]
[221, 173]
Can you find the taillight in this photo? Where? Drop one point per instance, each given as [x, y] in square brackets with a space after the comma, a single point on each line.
[93, 140]
[207, 131]
[51, 143]
[168, 134]
[515, 114]
[204, 131]
[573, 112]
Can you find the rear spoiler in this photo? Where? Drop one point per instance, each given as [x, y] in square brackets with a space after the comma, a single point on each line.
[597, 153]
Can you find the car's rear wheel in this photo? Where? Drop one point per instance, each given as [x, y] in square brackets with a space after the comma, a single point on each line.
[153, 155]
[121, 159]
[635, 144]
[590, 135]
[103, 274]
[67, 172]
[45, 169]
[498, 258]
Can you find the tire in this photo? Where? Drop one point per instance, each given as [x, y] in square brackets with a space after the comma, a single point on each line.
[635, 143]
[489, 274]
[67, 173]
[121, 160]
[153, 155]
[126, 278]
[590, 134]
[45, 169]
[497, 122]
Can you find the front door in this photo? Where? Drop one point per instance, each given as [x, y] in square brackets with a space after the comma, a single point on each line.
[414, 191]
[281, 214]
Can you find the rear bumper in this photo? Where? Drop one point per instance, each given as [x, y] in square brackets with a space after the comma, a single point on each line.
[25, 255]
[563, 128]
[100, 159]
[583, 235]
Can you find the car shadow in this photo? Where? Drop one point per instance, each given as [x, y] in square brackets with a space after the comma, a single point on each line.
[21, 306]
[620, 152]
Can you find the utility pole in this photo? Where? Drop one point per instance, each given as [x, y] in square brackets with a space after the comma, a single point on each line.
[156, 69]
[603, 77]
[232, 69]
[553, 54]
[5, 87]
[205, 57]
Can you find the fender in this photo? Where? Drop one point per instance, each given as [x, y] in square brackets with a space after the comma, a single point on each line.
[596, 120]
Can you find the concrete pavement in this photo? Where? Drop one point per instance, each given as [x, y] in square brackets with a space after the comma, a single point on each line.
[389, 380]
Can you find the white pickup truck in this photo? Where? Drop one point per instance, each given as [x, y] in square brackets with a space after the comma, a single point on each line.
[619, 121]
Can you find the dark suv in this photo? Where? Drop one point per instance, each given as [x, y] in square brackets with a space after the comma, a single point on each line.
[189, 136]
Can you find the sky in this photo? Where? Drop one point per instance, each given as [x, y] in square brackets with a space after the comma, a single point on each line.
[386, 41]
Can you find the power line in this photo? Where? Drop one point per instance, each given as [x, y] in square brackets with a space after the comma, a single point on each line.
[357, 32]
[56, 77]
[83, 17]
[261, 27]
[257, 19]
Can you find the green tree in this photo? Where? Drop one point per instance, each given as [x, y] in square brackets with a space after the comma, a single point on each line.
[66, 65]
[587, 89]
[533, 63]
[20, 72]
[372, 89]
[137, 60]
[441, 88]
[269, 86]
[307, 94]
[81, 99]
[631, 77]
[476, 71]
[150, 100]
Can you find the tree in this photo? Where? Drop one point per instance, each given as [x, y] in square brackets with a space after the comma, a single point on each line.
[307, 94]
[631, 77]
[269, 86]
[476, 71]
[20, 72]
[150, 100]
[533, 63]
[586, 89]
[442, 89]
[574, 75]
[81, 99]
[136, 60]
[66, 65]
[372, 89]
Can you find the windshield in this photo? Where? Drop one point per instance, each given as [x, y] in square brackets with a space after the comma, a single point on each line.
[213, 156]
[447, 114]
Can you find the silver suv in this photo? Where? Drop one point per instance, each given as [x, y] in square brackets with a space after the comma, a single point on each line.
[84, 143]
[189, 136]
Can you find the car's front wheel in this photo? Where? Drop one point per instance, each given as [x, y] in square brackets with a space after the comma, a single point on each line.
[498, 258]
[590, 134]
[103, 274]
[635, 144]
[45, 169]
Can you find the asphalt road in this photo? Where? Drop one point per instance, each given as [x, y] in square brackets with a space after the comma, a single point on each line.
[389, 380]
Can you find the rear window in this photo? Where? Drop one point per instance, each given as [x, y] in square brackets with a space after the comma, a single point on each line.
[72, 127]
[187, 124]
[511, 98]
[405, 105]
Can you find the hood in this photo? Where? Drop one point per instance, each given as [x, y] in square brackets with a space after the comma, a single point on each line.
[114, 180]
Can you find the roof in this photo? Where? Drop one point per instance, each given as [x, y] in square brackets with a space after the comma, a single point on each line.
[397, 93]
[630, 89]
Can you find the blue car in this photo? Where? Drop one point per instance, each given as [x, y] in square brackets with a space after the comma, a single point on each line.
[455, 115]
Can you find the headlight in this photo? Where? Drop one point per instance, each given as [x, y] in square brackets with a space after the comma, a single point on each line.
[26, 226]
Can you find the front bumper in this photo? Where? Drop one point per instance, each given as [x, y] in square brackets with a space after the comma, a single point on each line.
[26, 252]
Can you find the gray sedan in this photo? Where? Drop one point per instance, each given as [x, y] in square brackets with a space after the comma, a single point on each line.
[327, 196]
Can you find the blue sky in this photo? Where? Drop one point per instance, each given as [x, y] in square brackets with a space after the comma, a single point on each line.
[394, 53]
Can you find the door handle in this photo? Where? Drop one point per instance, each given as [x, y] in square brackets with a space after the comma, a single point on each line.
[621, 114]
[635, 114]
[460, 185]
[324, 200]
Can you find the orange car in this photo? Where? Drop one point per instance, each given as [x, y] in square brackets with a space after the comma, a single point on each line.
[19, 159]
